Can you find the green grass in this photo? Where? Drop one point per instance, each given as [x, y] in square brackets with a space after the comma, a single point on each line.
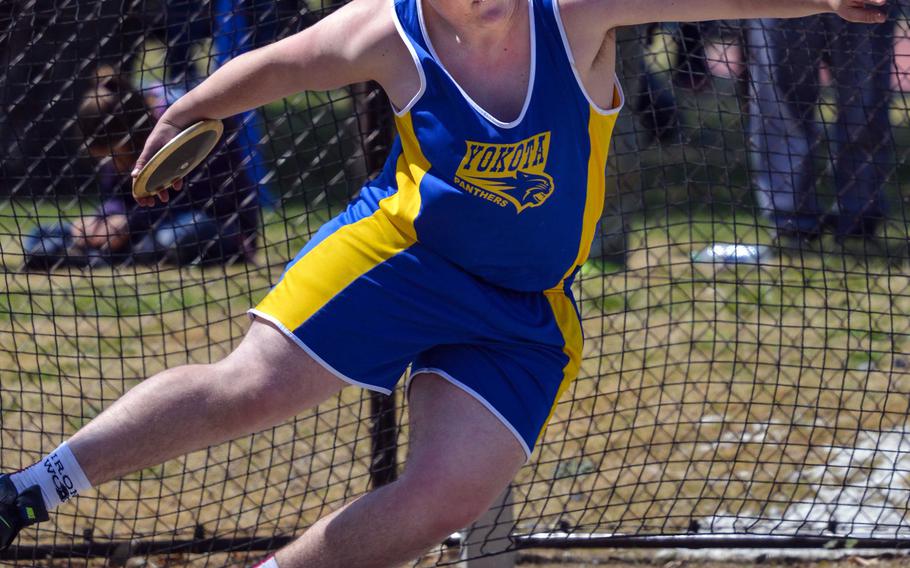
[139, 290]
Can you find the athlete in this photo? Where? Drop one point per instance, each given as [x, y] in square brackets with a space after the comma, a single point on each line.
[457, 259]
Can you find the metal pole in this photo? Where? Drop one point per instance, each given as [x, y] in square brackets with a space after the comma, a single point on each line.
[488, 543]
[384, 432]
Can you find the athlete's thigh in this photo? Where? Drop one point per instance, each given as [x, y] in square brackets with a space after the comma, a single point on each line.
[453, 433]
[268, 360]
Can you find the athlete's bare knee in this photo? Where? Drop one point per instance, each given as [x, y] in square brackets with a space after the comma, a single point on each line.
[269, 370]
[450, 501]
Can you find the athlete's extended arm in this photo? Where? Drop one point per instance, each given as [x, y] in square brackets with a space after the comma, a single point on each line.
[591, 24]
[350, 46]
[333, 53]
[625, 13]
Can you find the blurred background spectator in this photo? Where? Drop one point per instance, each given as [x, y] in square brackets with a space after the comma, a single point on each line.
[213, 219]
[49, 53]
[217, 214]
[784, 65]
[655, 100]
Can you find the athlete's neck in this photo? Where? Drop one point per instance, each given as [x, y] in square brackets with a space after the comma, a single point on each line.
[475, 24]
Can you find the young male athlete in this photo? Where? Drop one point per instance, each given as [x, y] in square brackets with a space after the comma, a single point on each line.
[457, 259]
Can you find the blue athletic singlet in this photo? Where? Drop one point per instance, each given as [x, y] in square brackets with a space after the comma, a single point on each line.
[457, 259]
[514, 203]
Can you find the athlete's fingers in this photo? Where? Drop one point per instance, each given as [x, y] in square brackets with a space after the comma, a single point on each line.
[152, 145]
[140, 163]
[178, 184]
[862, 15]
[161, 134]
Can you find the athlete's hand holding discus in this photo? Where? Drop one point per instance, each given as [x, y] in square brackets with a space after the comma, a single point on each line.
[163, 132]
[351, 46]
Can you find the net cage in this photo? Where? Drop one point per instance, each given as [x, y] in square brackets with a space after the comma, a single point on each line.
[746, 375]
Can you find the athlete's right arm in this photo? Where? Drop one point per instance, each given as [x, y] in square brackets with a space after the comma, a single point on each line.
[356, 43]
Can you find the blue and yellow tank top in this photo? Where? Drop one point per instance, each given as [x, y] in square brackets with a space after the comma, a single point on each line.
[513, 203]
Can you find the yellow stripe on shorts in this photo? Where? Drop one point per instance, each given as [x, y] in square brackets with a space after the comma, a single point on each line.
[354, 249]
[600, 129]
[570, 326]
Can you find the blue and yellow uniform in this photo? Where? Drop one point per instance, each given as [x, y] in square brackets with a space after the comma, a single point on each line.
[458, 258]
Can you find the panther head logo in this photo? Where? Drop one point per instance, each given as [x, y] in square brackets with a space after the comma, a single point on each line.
[523, 190]
[531, 189]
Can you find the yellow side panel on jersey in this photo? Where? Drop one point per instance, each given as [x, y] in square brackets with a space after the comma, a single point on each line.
[412, 165]
[600, 129]
[354, 249]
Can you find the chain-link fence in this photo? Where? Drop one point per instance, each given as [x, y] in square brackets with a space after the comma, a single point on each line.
[746, 370]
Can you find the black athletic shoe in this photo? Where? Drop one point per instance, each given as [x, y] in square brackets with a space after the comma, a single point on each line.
[18, 510]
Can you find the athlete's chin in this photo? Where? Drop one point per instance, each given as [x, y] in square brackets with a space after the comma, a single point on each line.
[484, 14]
[491, 11]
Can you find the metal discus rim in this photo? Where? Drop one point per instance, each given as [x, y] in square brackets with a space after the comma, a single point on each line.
[141, 187]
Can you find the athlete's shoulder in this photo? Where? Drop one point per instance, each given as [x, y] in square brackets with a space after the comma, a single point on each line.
[364, 34]
[366, 27]
[587, 27]
[601, 14]
[390, 56]
[591, 39]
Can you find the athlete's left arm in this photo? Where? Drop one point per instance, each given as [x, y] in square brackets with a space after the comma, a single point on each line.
[616, 13]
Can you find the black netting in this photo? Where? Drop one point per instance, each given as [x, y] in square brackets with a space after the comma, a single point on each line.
[746, 369]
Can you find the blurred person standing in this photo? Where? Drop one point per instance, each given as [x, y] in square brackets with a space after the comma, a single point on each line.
[784, 65]
[655, 100]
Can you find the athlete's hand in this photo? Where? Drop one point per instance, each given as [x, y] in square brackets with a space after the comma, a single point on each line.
[164, 132]
[860, 11]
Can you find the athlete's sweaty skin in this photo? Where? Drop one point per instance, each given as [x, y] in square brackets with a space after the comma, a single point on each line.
[462, 457]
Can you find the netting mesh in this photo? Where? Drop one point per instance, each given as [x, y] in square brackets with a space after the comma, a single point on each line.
[761, 390]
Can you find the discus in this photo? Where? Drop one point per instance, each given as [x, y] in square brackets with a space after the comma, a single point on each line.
[177, 158]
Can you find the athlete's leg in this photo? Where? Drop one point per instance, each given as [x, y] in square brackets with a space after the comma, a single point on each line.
[265, 381]
[461, 458]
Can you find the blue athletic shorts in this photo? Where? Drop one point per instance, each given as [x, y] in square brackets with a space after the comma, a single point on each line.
[365, 299]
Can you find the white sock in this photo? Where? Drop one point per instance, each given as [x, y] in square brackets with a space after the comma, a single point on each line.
[270, 563]
[58, 475]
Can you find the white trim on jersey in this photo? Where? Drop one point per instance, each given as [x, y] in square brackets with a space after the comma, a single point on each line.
[568, 48]
[474, 105]
[410, 46]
